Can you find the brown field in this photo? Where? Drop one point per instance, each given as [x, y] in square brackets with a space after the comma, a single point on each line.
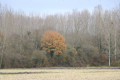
[60, 74]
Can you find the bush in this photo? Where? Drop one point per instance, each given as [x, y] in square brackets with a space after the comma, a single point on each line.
[116, 63]
[39, 59]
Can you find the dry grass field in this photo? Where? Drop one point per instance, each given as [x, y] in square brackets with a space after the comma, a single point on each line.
[60, 74]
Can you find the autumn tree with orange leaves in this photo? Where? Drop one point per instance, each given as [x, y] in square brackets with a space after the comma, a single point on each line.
[53, 42]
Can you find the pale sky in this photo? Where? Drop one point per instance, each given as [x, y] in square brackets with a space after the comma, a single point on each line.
[57, 6]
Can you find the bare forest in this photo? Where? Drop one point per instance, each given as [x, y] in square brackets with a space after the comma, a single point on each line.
[84, 38]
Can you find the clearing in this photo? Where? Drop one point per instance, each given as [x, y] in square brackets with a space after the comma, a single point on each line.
[59, 74]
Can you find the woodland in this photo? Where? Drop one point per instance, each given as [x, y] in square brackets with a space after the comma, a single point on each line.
[76, 39]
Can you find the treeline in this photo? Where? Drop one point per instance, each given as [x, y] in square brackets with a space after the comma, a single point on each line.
[92, 39]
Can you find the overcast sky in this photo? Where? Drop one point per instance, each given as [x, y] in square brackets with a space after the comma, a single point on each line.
[57, 6]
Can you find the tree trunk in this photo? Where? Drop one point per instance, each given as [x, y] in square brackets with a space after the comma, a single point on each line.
[109, 49]
[2, 54]
[115, 43]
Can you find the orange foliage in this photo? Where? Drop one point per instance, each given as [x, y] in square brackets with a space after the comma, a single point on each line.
[53, 41]
[2, 35]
